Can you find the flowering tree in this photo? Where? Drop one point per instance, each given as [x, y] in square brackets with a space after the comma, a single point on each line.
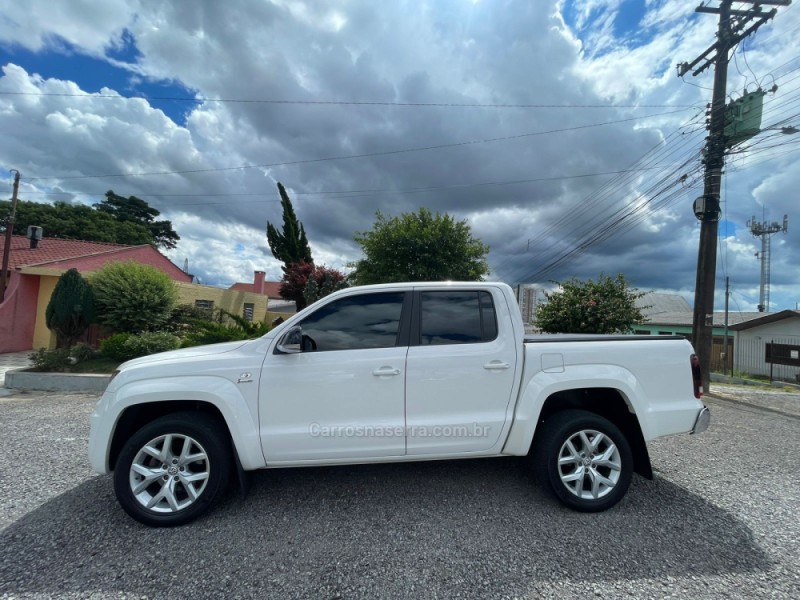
[607, 305]
[305, 283]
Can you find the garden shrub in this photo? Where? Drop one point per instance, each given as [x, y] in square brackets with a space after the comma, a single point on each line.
[224, 327]
[209, 332]
[81, 352]
[114, 347]
[131, 297]
[50, 360]
[125, 346]
[185, 317]
[61, 359]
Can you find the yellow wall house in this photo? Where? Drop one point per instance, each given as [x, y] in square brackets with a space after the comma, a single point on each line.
[36, 267]
[251, 306]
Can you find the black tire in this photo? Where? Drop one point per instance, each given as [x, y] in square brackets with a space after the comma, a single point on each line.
[183, 473]
[584, 478]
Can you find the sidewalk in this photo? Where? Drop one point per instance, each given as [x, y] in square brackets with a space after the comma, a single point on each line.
[768, 398]
[13, 360]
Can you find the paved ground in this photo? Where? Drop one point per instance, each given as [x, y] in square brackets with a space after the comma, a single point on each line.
[719, 521]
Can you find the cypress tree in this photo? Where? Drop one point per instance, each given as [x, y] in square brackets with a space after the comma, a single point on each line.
[289, 245]
[71, 308]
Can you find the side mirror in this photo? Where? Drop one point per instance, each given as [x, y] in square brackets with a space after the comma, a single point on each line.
[291, 342]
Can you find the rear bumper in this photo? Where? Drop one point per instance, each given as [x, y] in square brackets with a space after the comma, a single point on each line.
[703, 421]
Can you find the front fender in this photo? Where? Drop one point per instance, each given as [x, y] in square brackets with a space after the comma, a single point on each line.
[241, 419]
[542, 385]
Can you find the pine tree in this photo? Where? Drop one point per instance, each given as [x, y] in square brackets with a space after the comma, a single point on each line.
[290, 245]
[71, 308]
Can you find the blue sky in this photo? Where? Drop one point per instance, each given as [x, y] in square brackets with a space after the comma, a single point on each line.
[63, 60]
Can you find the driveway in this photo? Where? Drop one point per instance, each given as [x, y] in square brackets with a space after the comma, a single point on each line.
[719, 521]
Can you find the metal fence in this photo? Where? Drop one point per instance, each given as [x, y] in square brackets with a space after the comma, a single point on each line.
[749, 357]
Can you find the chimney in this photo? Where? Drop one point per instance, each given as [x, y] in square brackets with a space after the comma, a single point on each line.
[34, 234]
[258, 282]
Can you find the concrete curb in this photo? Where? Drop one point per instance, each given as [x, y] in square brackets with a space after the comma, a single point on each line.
[718, 378]
[22, 379]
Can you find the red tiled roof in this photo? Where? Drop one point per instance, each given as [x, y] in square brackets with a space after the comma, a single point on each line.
[85, 256]
[271, 288]
[53, 250]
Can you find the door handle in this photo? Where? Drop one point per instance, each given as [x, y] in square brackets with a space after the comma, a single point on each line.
[386, 372]
[496, 365]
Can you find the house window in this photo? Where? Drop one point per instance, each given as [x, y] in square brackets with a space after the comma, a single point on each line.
[641, 331]
[248, 311]
[205, 305]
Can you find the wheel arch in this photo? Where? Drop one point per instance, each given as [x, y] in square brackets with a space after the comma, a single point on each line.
[608, 403]
[608, 390]
[136, 416]
[135, 403]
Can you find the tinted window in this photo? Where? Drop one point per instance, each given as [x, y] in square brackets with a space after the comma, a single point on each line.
[457, 318]
[488, 317]
[368, 321]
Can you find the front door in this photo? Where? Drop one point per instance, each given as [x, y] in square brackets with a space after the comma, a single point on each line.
[342, 398]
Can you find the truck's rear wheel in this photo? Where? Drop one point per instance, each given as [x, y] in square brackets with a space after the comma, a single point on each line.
[173, 469]
[585, 459]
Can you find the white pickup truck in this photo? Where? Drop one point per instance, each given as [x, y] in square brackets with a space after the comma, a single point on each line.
[394, 372]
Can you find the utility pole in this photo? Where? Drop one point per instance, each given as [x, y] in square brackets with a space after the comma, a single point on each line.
[9, 233]
[734, 25]
[726, 362]
[765, 230]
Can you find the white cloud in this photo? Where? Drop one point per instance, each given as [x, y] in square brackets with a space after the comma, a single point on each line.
[442, 52]
[88, 25]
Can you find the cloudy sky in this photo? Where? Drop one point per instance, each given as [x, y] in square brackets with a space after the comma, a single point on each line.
[559, 130]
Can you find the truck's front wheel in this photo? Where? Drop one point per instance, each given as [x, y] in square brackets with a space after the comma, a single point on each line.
[585, 459]
[173, 469]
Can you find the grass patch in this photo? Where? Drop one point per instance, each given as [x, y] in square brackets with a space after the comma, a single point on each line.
[92, 365]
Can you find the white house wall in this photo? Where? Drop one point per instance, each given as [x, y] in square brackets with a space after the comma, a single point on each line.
[750, 348]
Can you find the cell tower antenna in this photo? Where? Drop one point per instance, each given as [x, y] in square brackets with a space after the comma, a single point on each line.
[765, 230]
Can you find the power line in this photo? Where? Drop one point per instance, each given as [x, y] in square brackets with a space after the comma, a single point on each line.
[354, 156]
[624, 219]
[353, 193]
[661, 151]
[331, 102]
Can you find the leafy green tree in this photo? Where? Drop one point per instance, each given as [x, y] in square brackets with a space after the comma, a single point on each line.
[420, 247]
[137, 211]
[82, 222]
[71, 308]
[76, 222]
[131, 297]
[607, 305]
[289, 245]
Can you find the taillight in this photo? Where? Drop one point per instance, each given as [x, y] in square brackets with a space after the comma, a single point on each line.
[697, 376]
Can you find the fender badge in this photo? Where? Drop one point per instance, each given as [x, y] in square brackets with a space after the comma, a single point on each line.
[245, 378]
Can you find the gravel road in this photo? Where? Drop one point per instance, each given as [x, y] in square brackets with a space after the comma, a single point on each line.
[718, 521]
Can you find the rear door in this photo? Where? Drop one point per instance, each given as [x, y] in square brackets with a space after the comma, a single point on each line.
[461, 370]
